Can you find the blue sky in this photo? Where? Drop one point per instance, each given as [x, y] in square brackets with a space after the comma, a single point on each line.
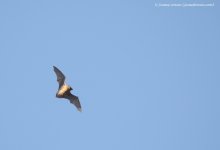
[147, 77]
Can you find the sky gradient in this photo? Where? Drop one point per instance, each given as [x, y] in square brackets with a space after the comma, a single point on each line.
[147, 77]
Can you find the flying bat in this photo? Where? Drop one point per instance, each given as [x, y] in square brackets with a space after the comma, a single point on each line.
[64, 89]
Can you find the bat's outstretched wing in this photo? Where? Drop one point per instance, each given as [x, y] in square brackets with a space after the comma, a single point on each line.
[60, 76]
[74, 100]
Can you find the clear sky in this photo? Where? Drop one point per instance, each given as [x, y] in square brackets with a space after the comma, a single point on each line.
[148, 77]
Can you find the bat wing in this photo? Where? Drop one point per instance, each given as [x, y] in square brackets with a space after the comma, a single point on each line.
[60, 76]
[74, 100]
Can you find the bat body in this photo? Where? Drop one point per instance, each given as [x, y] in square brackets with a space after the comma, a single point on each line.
[64, 90]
